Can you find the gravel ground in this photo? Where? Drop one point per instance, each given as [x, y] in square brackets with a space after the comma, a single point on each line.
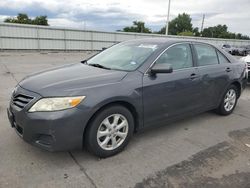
[202, 151]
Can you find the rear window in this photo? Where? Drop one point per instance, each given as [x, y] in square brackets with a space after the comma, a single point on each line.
[222, 58]
[206, 55]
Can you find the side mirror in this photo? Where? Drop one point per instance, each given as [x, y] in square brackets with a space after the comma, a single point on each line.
[84, 61]
[161, 68]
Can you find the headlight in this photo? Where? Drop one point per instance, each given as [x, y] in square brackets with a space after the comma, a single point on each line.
[55, 104]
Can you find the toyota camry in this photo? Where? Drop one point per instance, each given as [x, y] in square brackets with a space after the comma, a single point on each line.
[101, 102]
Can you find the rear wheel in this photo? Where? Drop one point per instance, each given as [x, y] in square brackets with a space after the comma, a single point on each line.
[110, 131]
[229, 101]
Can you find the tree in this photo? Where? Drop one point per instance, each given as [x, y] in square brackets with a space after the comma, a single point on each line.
[21, 18]
[40, 20]
[24, 19]
[196, 32]
[221, 31]
[137, 27]
[182, 23]
[244, 37]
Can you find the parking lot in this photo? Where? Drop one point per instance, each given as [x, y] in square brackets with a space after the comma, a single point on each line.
[202, 151]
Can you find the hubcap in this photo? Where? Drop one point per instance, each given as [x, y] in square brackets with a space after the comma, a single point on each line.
[230, 100]
[112, 132]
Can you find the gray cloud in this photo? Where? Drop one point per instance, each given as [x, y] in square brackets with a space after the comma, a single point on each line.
[113, 15]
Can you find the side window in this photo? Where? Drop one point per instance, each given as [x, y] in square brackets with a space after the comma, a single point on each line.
[206, 55]
[179, 56]
[222, 58]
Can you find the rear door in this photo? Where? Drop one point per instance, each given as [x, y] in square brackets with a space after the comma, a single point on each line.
[168, 95]
[215, 71]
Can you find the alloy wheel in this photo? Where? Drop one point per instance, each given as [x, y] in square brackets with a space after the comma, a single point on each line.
[112, 132]
[230, 100]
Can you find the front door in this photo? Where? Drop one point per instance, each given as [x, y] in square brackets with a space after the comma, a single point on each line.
[168, 95]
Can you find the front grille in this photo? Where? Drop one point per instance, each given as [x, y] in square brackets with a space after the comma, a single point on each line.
[21, 100]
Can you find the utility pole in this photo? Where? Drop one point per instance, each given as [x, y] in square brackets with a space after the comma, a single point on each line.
[169, 1]
[202, 24]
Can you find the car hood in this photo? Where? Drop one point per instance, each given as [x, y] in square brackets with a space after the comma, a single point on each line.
[70, 79]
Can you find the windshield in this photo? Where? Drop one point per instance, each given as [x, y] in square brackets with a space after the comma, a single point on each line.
[124, 56]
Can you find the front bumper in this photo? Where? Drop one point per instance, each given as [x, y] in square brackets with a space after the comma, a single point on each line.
[53, 131]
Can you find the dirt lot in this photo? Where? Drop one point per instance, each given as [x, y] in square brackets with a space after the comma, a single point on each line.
[203, 151]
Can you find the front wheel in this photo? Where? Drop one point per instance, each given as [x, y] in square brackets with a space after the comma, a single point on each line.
[110, 131]
[229, 101]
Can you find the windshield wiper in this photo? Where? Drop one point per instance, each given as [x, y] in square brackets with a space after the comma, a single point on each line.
[99, 66]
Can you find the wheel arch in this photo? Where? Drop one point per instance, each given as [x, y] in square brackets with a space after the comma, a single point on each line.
[235, 83]
[123, 103]
[238, 85]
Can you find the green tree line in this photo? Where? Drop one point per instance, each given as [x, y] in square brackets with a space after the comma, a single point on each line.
[182, 25]
[24, 19]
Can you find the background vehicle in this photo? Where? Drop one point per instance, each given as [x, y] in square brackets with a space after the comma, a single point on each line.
[227, 48]
[247, 48]
[133, 85]
[247, 61]
[240, 51]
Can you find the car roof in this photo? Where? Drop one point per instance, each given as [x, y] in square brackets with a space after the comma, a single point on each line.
[159, 40]
[162, 41]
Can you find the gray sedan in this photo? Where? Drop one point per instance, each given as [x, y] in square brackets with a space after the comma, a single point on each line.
[102, 101]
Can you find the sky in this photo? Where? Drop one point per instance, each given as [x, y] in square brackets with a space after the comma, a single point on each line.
[112, 15]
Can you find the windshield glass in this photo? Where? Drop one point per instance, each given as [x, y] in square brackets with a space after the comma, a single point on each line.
[124, 56]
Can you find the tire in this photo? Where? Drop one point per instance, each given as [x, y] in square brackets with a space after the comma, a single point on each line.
[227, 110]
[102, 132]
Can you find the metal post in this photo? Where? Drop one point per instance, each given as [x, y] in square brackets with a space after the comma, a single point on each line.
[91, 39]
[115, 37]
[38, 39]
[169, 1]
[65, 42]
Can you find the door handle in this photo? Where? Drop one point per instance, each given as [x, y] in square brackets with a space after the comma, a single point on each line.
[193, 76]
[228, 69]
